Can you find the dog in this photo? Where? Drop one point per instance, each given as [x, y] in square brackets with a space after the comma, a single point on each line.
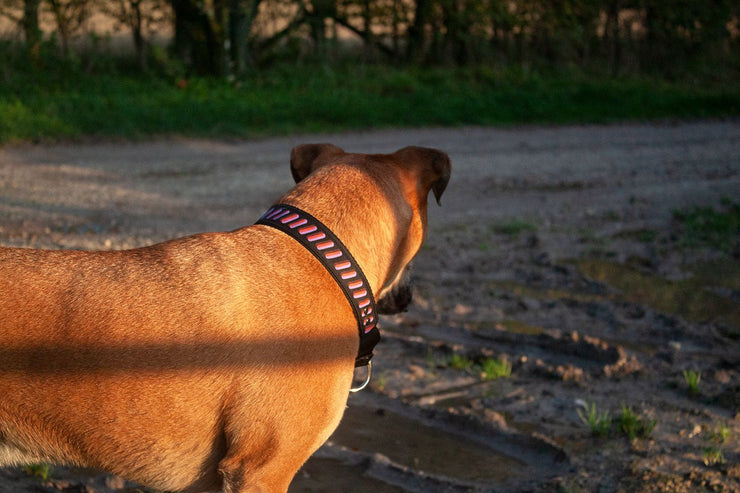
[219, 361]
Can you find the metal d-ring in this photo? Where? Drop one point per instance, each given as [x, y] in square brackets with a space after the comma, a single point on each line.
[367, 380]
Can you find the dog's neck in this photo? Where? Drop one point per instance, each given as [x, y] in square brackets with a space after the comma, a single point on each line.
[328, 249]
[366, 206]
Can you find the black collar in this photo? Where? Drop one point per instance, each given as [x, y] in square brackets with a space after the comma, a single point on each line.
[331, 252]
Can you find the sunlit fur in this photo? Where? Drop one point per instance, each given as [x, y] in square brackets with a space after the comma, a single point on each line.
[215, 361]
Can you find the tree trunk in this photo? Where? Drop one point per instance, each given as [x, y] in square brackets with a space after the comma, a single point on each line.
[417, 31]
[196, 44]
[139, 42]
[31, 31]
[613, 38]
[238, 32]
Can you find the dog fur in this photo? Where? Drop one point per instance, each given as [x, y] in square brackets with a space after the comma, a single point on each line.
[214, 361]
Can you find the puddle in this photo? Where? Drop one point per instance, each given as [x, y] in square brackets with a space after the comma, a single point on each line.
[517, 327]
[508, 325]
[689, 298]
[724, 273]
[543, 294]
[331, 475]
[421, 447]
[641, 347]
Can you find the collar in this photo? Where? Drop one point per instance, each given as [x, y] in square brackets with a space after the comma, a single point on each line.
[335, 257]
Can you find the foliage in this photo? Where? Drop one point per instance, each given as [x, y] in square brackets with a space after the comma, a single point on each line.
[514, 227]
[720, 434]
[600, 423]
[41, 471]
[486, 368]
[633, 425]
[459, 362]
[674, 38]
[97, 95]
[712, 456]
[692, 379]
[628, 422]
[493, 368]
[707, 226]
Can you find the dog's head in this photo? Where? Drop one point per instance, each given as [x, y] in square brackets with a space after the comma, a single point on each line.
[405, 177]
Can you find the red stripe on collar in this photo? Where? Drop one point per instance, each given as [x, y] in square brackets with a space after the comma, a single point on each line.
[336, 258]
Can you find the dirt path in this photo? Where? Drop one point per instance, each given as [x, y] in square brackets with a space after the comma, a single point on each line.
[556, 250]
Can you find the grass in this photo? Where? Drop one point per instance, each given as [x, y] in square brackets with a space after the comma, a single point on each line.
[513, 227]
[600, 423]
[69, 100]
[627, 421]
[720, 434]
[493, 368]
[458, 362]
[712, 456]
[692, 379]
[41, 471]
[486, 368]
[633, 425]
[705, 226]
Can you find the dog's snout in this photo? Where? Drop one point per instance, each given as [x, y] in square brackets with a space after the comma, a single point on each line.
[396, 301]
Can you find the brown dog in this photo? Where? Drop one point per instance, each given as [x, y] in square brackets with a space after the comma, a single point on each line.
[215, 361]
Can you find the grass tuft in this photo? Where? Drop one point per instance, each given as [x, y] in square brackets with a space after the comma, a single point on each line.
[493, 368]
[705, 226]
[712, 456]
[600, 423]
[41, 471]
[692, 379]
[720, 434]
[459, 362]
[633, 425]
[514, 227]
[487, 369]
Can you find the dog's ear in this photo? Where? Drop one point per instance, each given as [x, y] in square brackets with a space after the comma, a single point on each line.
[442, 169]
[434, 166]
[305, 158]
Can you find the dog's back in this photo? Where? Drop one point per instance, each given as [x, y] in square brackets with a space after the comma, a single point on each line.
[132, 360]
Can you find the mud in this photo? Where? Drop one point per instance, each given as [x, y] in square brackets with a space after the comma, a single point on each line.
[557, 250]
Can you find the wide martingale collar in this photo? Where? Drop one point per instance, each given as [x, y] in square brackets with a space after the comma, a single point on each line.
[326, 247]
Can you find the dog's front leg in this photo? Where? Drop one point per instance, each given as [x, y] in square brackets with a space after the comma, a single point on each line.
[265, 450]
[242, 477]
[269, 469]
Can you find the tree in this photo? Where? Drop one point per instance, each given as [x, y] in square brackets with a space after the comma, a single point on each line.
[25, 15]
[30, 23]
[212, 36]
[69, 15]
[143, 17]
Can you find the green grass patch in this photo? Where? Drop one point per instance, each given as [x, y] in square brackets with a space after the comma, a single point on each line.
[51, 101]
[712, 456]
[720, 434]
[633, 425]
[485, 368]
[706, 226]
[692, 379]
[41, 471]
[600, 423]
[459, 362]
[628, 422]
[494, 368]
[513, 227]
